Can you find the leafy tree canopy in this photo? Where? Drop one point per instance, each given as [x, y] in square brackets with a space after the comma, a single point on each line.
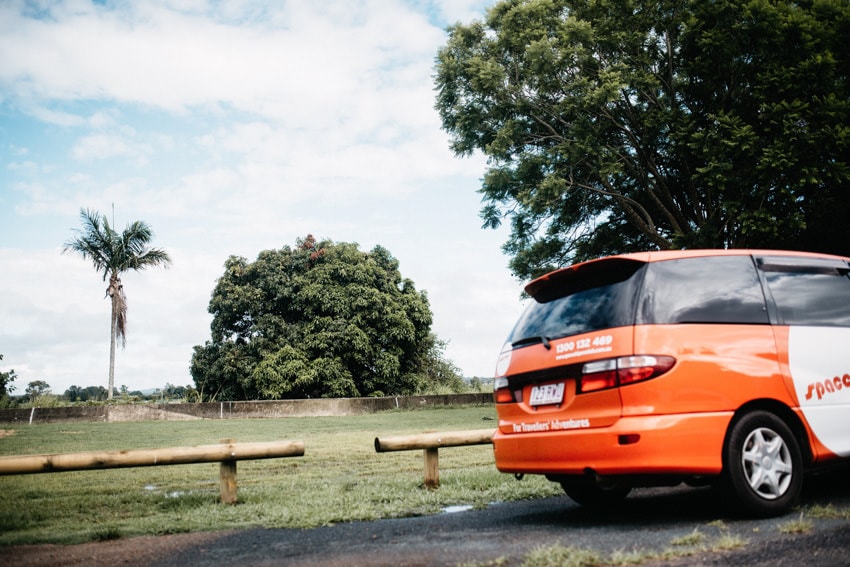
[618, 125]
[322, 319]
[37, 389]
[6, 379]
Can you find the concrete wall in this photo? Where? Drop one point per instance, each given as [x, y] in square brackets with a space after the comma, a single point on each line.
[235, 410]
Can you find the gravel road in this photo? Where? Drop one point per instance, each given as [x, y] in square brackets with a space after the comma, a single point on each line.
[652, 521]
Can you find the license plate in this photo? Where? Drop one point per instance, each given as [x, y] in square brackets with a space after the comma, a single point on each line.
[548, 394]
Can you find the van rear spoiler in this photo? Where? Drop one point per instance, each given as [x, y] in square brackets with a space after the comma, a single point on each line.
[579, 277]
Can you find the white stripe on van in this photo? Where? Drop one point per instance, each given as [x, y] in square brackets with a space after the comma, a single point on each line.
[819, 359]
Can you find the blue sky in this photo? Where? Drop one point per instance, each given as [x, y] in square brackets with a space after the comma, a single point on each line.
[230, 127]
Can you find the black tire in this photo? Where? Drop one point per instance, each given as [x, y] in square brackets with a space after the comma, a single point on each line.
[763, 465]
[595, 495]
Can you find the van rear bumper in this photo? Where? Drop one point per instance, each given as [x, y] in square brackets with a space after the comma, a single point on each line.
[689, 444]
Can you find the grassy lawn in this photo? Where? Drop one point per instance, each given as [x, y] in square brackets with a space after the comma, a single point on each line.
[340, 478]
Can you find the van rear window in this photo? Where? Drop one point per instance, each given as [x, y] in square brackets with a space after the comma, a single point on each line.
[601, 295]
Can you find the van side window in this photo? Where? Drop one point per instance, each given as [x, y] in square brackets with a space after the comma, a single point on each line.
[809, 292]
[710, 289]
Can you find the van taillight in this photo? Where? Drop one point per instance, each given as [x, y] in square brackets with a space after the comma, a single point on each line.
[504, 396]
[595, 376]
[501, 391]
[613, 372]
[598, 381]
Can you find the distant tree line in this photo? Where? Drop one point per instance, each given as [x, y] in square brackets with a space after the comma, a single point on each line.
[38, 393]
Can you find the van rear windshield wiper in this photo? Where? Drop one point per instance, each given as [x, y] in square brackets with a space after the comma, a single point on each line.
[531, 340]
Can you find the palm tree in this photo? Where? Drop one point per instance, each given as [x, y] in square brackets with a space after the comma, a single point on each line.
[114, 254]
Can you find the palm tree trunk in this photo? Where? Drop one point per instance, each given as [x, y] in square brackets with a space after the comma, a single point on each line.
[119, 324]
[112, 338]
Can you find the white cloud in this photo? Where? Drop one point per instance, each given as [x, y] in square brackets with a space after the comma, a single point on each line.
[21, 165]
[56, 117]
[18, 151]
[299, 62]
[103, 146]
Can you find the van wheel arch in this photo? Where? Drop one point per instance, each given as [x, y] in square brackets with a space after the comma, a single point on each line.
[784, 413]
[764, 457]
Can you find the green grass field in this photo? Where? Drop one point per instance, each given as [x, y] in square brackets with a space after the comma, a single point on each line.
[340, 478]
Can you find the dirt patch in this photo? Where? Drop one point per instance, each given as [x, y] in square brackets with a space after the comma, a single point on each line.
[7, 433]
[141, 550]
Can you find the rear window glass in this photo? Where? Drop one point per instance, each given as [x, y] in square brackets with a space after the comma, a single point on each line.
[709, 289]
[809, 292]
[599, 296]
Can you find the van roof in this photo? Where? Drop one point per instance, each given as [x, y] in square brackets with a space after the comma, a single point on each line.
[593, 267]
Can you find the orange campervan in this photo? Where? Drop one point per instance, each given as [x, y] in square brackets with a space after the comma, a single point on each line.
[729, 367]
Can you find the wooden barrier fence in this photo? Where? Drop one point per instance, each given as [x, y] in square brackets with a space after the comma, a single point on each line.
[226, 453]
[431, 443]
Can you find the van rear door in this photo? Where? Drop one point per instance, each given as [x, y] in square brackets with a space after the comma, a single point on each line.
[555, 371]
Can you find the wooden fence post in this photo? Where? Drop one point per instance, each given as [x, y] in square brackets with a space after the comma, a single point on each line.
[227, 478]
[432, 468]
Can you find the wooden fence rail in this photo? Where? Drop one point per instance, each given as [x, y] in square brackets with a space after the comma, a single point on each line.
[226, 453]
[431, 443]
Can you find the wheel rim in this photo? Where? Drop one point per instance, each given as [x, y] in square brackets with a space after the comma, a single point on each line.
[767, 463]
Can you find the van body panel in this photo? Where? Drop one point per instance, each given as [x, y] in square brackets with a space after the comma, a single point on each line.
[687, 444]
[718, 368]
[598, 409]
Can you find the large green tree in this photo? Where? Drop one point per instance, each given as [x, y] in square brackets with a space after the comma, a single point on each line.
[320, 319]
[618, 125]
[114, 253]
